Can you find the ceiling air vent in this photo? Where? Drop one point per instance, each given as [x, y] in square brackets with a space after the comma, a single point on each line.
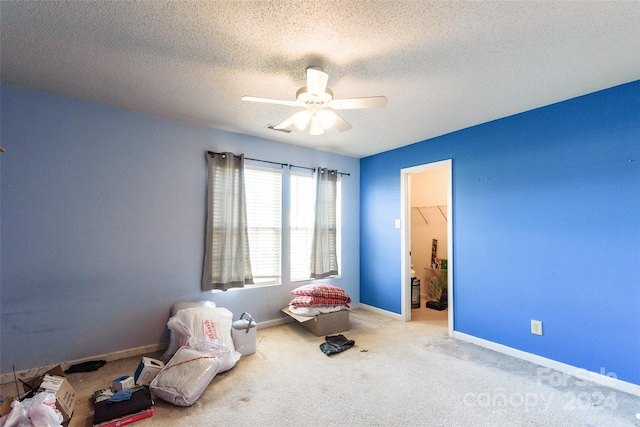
[285, 130]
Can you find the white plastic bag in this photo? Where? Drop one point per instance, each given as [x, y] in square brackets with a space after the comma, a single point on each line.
[207, 324]
[42, 412]
[34, 412]
[185, 377]
[175, 338]
[13, 418]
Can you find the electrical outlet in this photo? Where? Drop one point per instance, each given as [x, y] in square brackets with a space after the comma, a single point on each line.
[397, 223]
[536, 327]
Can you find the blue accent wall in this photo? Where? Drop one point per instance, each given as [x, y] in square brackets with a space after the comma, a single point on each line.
[546, 208]
[103, 225]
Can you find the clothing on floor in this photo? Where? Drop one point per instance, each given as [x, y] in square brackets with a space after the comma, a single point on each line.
[92, 365]
[336, 344]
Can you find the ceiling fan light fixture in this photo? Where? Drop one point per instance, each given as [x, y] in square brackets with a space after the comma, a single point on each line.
[301, 119]
[327, 118]
[316, 126]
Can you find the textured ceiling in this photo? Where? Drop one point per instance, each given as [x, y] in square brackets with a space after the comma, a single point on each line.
[443, 66]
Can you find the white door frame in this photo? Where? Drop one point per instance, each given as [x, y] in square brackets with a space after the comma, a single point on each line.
[405, 236]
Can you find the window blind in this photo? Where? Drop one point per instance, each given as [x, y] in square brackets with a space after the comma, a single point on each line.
[264, 221]
[301, 224]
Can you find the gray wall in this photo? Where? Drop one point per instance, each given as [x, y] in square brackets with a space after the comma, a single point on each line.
[103, 221]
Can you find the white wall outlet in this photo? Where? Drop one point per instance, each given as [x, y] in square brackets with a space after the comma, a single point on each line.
[397, 223]
[536, 327]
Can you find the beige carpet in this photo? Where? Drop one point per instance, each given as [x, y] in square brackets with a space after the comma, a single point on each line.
[397, 374]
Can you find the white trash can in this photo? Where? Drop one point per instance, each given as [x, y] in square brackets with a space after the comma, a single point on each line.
[243, 333]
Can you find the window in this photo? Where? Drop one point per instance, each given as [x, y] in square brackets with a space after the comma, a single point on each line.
[264, 200]
[301, 222]
[264, 221]
[301, 218]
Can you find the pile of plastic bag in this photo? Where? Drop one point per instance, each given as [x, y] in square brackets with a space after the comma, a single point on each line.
[200, 347]
[206, 324]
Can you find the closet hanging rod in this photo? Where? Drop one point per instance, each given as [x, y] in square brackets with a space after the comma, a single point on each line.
[427, 207]
[213, 153]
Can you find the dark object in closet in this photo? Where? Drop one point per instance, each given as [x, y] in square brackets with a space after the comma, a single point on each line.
[443, 304]
[436, 305]
[336, 344]
[92, 365]
[415, 293]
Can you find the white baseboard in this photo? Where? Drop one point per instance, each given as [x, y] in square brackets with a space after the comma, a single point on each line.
[27, 374]
[583, 374]
[386, 313]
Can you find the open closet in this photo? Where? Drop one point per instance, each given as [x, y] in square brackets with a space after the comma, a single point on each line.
[429, 241]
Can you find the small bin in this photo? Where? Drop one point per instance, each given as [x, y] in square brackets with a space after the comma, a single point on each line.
[415, 293]
[243, 333]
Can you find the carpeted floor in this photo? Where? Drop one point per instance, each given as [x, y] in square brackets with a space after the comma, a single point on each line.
[397, 374]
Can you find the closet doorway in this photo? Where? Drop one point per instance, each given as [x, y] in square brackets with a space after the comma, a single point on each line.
[427, 243]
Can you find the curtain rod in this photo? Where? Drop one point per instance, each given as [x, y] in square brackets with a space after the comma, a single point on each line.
[313, 169]
[277, 163]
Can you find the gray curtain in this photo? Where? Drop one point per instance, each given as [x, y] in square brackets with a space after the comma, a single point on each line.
[227, 263]
[324, 259]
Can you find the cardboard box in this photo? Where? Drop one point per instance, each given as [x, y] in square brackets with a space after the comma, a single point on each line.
[140, 400]
[34, 383]
[123, 383]
[147, 370]
[127, 419]
[65, 395]
[5, 408]
[64, 392]
[323, 324]
[82, 413]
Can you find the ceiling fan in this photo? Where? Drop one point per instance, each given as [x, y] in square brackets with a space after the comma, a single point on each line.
[318, 101]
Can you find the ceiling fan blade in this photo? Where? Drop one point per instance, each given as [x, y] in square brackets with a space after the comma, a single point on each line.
[285, 124]
[353, 103]
[341, 125]
[273, 101]
[316, 81]
[299, 119]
